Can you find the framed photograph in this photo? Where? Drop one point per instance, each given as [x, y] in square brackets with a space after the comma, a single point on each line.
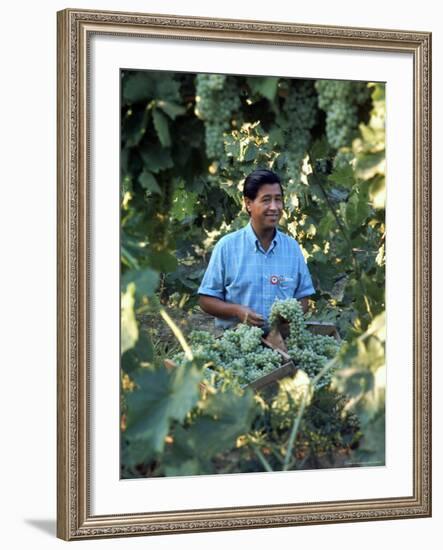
[196, 158]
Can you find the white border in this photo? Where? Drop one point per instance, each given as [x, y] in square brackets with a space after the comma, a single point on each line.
[111, 496]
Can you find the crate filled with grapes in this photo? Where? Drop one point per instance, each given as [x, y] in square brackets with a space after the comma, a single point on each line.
[310, 345]
[318, 334]
[238, 356]
[243, 356]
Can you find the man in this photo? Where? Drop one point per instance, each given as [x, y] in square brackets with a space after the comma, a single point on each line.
[252, 267]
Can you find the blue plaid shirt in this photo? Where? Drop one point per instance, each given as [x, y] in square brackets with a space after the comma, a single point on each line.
[240, 271]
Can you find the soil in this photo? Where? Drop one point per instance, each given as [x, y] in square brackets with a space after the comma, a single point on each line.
[185, 320]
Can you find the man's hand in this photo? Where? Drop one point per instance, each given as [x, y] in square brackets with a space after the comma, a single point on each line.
[225, 310]
[249, 316]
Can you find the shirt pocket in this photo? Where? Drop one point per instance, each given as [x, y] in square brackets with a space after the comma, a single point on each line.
[286, 286]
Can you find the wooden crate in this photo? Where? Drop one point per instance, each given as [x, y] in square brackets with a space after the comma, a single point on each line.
[317, 327]
[289, 368]
[325, 329]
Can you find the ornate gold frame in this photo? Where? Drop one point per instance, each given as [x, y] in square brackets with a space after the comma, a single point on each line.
[75, 27]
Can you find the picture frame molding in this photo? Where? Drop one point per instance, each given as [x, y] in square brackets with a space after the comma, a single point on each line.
[75, 29]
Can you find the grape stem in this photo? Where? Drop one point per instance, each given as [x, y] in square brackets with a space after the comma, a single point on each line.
[295, 426]
[178, 334]
[346, 237]
[262, 459]
[275, 452]
[294, 432]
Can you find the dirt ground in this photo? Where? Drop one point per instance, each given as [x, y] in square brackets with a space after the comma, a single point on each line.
[186, 321]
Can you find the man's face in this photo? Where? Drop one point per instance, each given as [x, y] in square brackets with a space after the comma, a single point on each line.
[266, 209]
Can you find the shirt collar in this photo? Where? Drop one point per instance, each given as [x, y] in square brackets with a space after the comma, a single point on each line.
[253, 239]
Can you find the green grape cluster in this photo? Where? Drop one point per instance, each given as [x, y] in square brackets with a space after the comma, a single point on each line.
[300, 110]
[237, 356]
[311, 352]
[201, 338]
[217, 97]
[322, 345]
[341, 101]
[291, 311]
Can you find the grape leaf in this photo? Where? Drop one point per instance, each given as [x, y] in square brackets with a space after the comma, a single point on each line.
[183, 203]
[343, 176]
[357, 209]
[142, 352]
[189, 466]
[162, 395]
[250, 152]
[129, 329]
[162, 261]
[267, 86]
[327, 223]
[161, 127]
[145, 282]
[225, 417]
[134, 127]
[137, 86]
[148, 182]
[156, 158]
[171, 109]
[134, 453]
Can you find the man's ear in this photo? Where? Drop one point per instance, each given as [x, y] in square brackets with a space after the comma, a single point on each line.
[247, 201]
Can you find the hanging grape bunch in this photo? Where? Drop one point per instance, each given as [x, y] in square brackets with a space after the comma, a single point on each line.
[217, 97]
[341, 101]
[309, 351]
[300, 110]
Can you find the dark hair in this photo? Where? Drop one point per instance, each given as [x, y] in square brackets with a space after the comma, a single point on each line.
[257, 179]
